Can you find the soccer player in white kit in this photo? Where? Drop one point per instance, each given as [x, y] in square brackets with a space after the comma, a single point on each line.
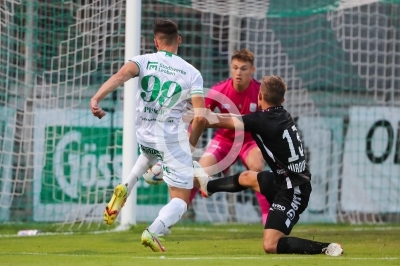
[167, 84]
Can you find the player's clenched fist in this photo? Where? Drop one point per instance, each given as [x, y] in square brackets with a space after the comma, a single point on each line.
[96, 110]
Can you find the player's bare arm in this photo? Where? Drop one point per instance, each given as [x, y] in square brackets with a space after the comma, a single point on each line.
[224, 121]
[128, 71]
[214, 120]
[199, 119]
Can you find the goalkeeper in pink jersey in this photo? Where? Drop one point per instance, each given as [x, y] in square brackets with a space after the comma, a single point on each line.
[235, 95]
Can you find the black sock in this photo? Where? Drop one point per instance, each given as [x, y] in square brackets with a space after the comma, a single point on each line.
[227, 184]
[294, 245]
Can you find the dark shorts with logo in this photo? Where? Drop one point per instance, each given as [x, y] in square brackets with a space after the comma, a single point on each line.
[286, 204]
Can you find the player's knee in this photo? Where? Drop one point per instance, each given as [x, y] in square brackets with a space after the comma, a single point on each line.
[179, 204]
[244, 178]
[247, 178]
[269, 247]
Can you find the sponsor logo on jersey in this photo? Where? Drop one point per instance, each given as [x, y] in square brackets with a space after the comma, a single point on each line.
[278, 207]
[281, 171]
[152, 65]
[170, 70]
[253, 107]
[151, 110]
[153, 152]
[295, 206]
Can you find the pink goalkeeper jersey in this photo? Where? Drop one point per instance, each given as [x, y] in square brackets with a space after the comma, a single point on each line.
[224, 96]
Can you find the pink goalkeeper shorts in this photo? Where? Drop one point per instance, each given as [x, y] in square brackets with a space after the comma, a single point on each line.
[223, 148]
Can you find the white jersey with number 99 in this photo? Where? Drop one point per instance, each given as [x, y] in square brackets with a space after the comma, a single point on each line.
[166, 83]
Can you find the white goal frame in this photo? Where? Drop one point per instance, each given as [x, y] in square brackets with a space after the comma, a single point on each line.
[129, 146]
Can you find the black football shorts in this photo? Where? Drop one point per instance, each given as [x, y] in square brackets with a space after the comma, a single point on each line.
[286, 204]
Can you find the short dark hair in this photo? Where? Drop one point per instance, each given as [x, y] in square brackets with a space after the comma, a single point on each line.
[166, 30]
[273, 89]
[243, 55]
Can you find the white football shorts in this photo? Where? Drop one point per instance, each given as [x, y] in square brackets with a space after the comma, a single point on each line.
[176, 159]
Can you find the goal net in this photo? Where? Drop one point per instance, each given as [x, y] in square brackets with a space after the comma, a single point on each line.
[340, 59]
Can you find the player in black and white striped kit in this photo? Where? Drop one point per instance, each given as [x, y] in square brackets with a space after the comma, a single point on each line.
[287, 187]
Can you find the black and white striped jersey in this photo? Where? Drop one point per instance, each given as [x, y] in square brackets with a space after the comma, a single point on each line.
[276, 135]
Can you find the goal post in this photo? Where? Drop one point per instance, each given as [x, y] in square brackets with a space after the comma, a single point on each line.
[130, 147]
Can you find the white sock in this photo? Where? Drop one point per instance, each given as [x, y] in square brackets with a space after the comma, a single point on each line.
[142, 164]
[131, 180]
[169, 215]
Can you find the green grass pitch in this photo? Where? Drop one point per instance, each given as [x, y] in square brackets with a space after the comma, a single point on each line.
[197, 245]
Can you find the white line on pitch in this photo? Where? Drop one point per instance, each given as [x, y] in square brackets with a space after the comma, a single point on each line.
[261, 257]
[216, 228]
